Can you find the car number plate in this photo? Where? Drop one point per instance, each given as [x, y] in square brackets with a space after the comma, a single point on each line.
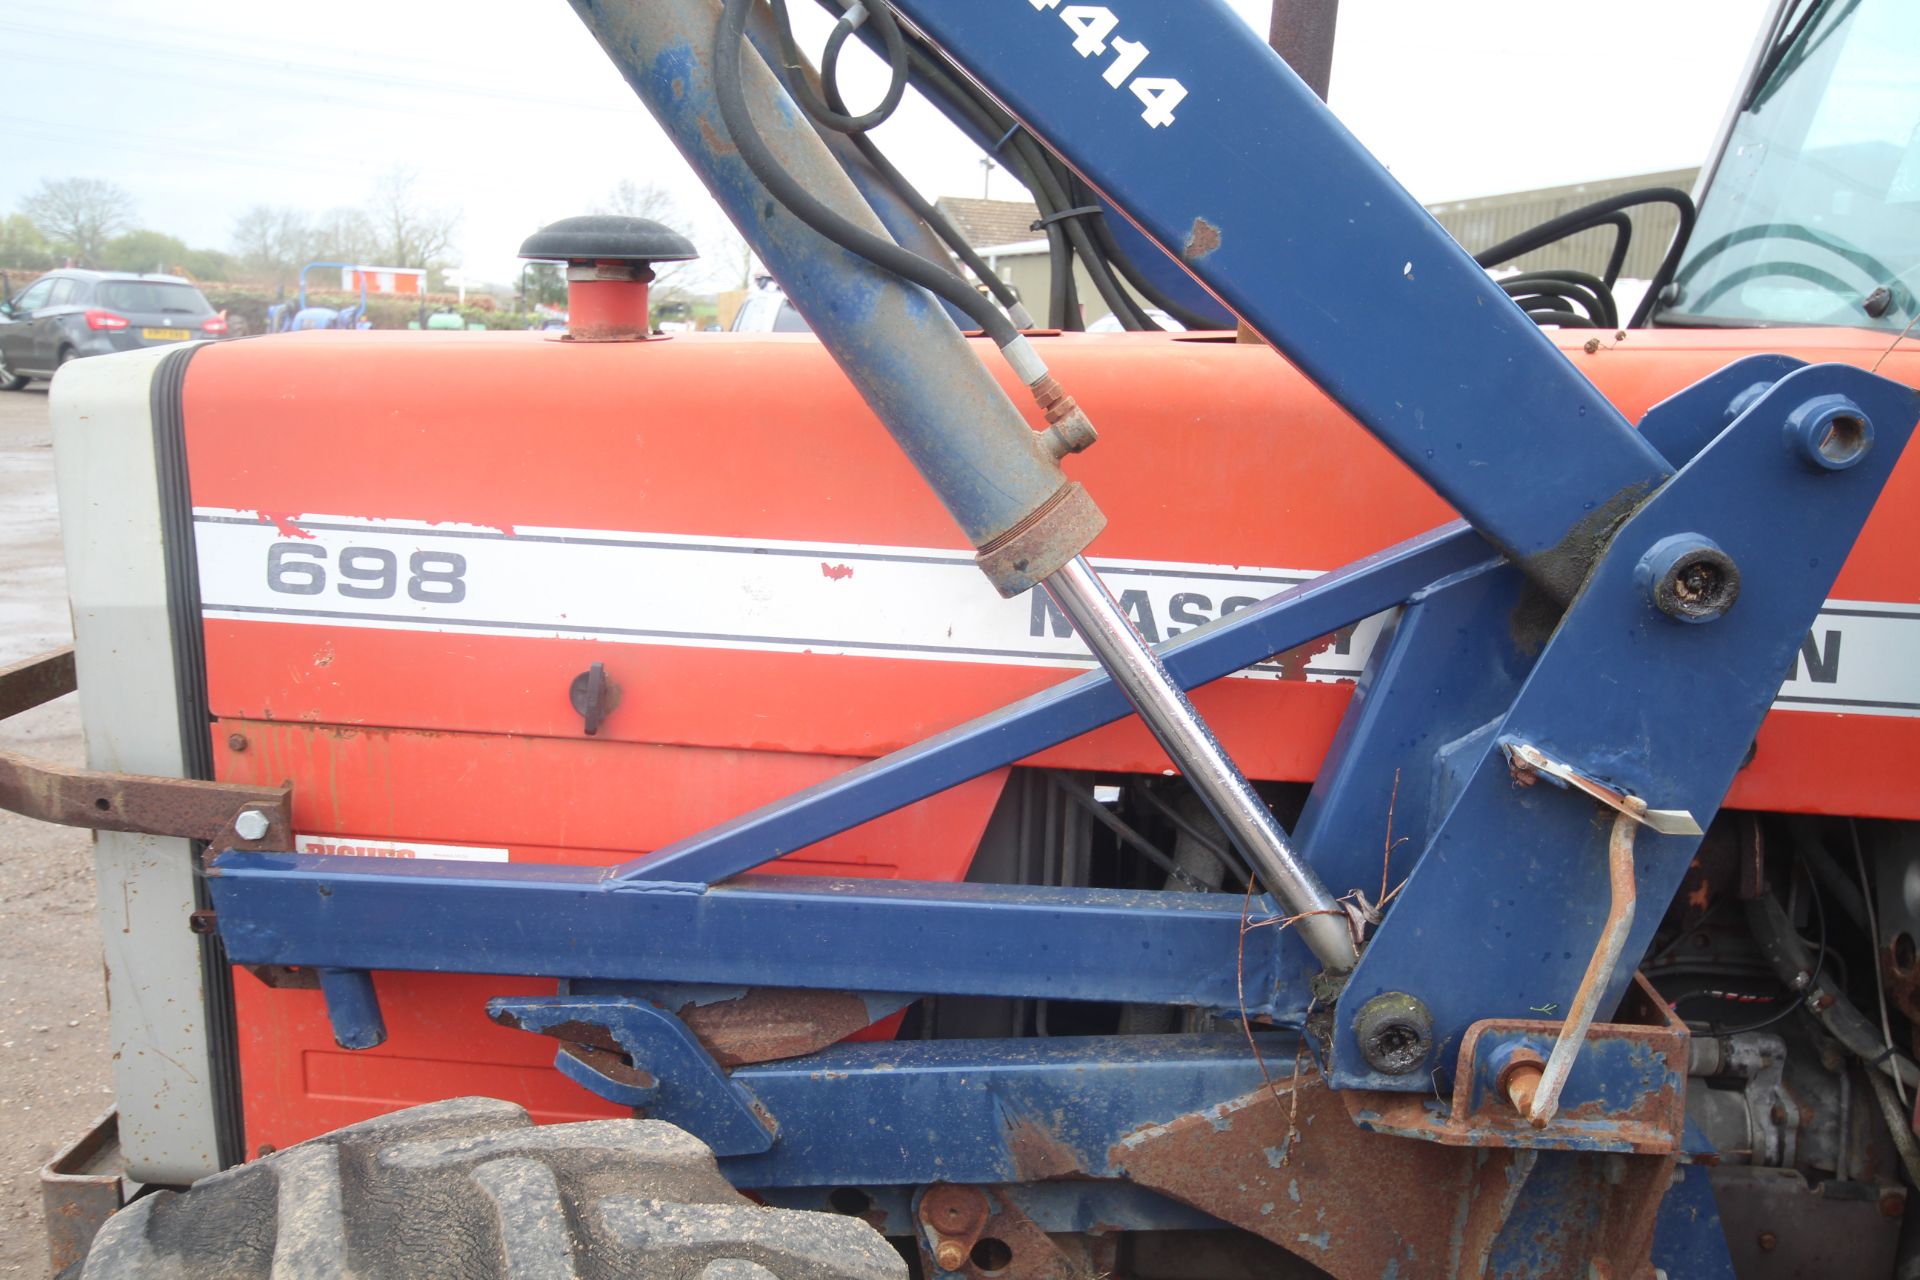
[166, 335]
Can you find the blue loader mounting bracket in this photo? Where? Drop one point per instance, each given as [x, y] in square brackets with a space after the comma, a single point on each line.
[635, 1053]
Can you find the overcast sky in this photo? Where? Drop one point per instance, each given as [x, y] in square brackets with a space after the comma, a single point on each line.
[513, 116]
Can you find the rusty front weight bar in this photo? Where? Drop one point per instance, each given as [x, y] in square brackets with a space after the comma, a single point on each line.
[224, 815]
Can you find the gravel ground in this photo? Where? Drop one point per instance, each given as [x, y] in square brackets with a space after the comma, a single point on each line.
[54, 1076]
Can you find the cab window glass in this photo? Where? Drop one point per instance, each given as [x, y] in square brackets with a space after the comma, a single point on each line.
[63, 291]
[1810, 216]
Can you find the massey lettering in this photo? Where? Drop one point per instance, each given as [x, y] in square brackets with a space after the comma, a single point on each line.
[1189, 608]
[1819, 658]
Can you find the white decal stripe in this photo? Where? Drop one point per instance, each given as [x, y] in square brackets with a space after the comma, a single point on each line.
[919, 603]
[899, 602]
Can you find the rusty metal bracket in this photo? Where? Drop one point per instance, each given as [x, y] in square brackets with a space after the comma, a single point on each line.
[224, 815]
[80, 1188]
[1650, 1051]
[979, 1233]
[28, 683]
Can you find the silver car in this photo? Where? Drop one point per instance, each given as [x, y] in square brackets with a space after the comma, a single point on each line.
[70, 313]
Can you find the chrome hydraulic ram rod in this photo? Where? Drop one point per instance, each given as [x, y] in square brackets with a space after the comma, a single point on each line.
[1137, 669]
[1000, 480]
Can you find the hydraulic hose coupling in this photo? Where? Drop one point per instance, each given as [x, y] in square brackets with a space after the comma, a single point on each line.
[1068, 429]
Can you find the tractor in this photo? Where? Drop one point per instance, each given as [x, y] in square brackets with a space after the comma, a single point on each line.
[1410, 775]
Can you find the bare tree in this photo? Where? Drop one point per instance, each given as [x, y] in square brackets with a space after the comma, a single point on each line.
[672, 281]
[642, 200]
[405, 232]
[273, 242]
[347, 235]
[79, 214]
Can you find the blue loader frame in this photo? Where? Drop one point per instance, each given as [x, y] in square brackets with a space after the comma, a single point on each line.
[1573, 676]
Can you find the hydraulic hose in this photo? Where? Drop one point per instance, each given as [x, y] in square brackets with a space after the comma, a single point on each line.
[730, 46]
[1783, 950]
[832, 113]
[926, 209]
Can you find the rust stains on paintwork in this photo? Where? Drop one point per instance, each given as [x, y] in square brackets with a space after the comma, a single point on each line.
[1202, 239]
[1652, 1125]
[716, 141]
[1296, 663]
[764, 1024]
[1038, 1152]
[770, 1023]
[612, 1065]
[1289, 1166]
[959, 1218]
[285, 526]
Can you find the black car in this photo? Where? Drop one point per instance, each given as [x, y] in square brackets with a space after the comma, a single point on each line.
[70, 313]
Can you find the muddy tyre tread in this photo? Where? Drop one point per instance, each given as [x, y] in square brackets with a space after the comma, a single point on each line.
[471, 1188]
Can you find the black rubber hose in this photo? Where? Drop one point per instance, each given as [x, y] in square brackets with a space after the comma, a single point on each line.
[1585, 292]
[1530, 241]
[1063, 311]
[1126, 834]
[1054, 190]
[1060, 192]
[730, 47]
[1036, 169]
[1221, 849]
[832, 113]
[1557, 305]
[1783, 950]
[1812, 850]
[1588, 289]
[1144, 287]
[1599, 213]
[1547, 313]
[1663, 274]
[1585, 218]
[927, 211]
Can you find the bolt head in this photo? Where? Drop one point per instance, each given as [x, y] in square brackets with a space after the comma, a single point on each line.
[1395, 1031]
[251, 825]
[1829, 433]
[236, 742]
[1689, 578]
[951, 1255]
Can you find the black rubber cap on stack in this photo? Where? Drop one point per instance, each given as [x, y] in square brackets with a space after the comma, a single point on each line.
[608, 237]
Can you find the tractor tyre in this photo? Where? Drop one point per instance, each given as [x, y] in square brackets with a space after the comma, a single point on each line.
[471, 1188]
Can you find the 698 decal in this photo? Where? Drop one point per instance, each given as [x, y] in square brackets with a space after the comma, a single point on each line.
[1092, 24]
[366, 573]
